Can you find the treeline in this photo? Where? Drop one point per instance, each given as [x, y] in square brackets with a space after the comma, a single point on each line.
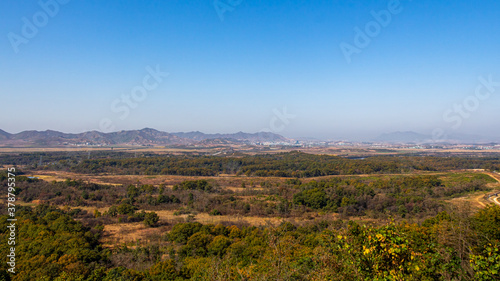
[34, 159]
[454, 245]
[293, 164]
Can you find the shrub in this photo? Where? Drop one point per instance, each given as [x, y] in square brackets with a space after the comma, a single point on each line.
[151, 219]
[182, 231]
[215, 212]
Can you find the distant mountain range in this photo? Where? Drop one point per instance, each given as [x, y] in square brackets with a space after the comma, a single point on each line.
[145, 136]
[417, 138]
[256, 137]
[152, 137]
[403, 137]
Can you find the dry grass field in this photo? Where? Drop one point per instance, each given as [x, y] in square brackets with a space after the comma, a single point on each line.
[138, 233]
[231, 182]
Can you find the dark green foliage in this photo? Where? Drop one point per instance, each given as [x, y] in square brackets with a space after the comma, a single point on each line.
[487, 222]
[151, 219]
[182, 231]
[401, 195]
[125, 209]
[201, 185]
[219, 245]
[50, 243]
[215, 212]
[293, 182]
[197, 245]
[313, 197]
[167, 199]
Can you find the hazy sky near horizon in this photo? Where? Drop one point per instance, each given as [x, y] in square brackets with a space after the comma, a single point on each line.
[324, 69]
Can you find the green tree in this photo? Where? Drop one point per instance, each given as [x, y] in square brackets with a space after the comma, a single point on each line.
[151, 219]
[487, 264]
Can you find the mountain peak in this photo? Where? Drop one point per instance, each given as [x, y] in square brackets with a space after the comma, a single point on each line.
[148, 130]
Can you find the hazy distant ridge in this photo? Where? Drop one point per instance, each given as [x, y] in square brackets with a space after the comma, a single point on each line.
[403, 137]
[417, 138]
[145, 136]
[262, 136]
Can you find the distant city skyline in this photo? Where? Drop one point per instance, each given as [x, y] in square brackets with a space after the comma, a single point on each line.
[327, 70]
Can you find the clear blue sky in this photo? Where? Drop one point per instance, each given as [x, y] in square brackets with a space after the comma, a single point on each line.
[233, 73]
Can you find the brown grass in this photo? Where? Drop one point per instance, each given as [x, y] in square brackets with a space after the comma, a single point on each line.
[169, 217]
[137, 232]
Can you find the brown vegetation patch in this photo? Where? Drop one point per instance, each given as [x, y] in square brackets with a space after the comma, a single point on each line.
[130, 233]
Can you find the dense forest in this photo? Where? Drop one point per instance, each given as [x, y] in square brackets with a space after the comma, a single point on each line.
[293, 164]
[454, 245]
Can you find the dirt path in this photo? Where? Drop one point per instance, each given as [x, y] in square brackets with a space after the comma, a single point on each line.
[496, 176]
[496, 201]
[478, 200]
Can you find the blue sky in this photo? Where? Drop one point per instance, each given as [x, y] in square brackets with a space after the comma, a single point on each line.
[239, 72]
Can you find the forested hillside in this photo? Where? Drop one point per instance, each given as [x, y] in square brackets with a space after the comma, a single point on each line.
[450, 246]
[118, 217]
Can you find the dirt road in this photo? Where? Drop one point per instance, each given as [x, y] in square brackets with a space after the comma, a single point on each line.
[495, 198]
